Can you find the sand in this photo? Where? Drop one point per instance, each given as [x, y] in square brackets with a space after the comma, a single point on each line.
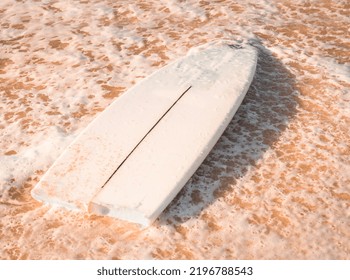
[275, 186]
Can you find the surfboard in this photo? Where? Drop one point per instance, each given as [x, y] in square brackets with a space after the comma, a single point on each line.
[136, 155]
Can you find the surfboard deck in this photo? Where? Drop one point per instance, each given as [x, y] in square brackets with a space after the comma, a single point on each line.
[133, 159]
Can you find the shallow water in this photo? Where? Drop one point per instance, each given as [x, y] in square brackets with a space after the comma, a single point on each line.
[276, 185]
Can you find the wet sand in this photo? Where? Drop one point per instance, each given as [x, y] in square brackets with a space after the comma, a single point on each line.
[275, 186]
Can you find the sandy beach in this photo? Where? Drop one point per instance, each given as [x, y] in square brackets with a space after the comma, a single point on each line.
[275, 186]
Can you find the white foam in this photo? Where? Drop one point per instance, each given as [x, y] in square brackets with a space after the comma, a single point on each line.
[275, 186]
[16, 169]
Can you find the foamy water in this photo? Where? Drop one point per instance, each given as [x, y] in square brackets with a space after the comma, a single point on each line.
[276, 185]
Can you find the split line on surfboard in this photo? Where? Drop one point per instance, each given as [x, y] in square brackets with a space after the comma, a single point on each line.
[143, 138]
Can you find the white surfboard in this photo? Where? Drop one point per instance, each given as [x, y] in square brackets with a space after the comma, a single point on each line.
[133, 159]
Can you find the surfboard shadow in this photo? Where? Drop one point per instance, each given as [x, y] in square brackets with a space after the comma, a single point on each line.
[264, 114]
